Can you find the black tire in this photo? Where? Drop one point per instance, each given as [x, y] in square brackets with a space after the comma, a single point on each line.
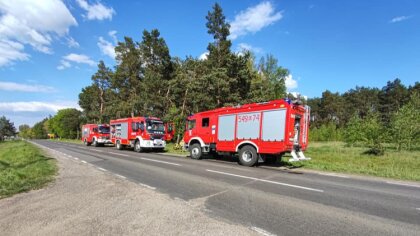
[137, 147]
[195, 151]
[95, 143]
[119, 145]
[248, 156]
[160, 150]
[215, 155]
[86, 142]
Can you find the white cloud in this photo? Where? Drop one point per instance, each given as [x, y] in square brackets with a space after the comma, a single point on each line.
[290, 82]
[399, 19]
[63, 65]
[11, 51]
[203, 56]
[254, 19]
[34, 106]
[106, 47]
[113, 35]
[11, 86]
[96, 11]
[77, 58]
[247, 47]
[297, 94]
[72, 43]
[29, 22]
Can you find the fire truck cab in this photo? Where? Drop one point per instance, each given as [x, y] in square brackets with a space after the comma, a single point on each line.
[254, 131]
[140, 133]
[96, 134]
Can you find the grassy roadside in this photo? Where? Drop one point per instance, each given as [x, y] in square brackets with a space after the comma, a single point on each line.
[23, 167]
[337, 157]
[170, 148]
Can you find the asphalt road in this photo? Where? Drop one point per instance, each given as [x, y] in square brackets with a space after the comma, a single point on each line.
[268, 200]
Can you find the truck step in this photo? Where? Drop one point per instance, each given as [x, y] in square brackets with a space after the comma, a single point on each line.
[299, 156]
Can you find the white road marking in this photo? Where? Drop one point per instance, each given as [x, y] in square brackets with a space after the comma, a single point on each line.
[164, 162]
[84, 162]
[101, 169]
[266, 181]
[147, 186]
[119, 154]
[76, 158]
[97, 150]
[403, 184]
[262, 231]
[332, 174]
[120, 176]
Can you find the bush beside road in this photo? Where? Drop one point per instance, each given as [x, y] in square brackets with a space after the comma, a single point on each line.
[23, 167]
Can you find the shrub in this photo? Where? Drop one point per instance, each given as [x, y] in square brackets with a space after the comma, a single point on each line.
[326, 132]
[369, 132]
[405, 125]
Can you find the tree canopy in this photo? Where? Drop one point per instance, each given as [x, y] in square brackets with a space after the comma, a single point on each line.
[7, 128]
[148, 81]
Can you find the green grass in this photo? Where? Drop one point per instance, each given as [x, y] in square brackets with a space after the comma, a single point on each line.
[23, 167]
[170, 148]
[337, 157]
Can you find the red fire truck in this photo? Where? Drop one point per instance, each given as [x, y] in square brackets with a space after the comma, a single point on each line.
[254, 131]
[169, 131]
[139, 133]
[96, 134]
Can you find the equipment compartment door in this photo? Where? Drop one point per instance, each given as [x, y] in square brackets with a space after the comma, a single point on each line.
[226, 133]
[273, 133]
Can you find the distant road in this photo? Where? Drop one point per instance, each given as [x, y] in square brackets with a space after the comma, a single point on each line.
[269, 201]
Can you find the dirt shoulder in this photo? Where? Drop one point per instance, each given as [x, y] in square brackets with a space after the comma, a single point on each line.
[84, 200]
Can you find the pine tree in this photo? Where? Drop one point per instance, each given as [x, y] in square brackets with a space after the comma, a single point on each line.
[102, 80]
[126, 81]
[158, 71]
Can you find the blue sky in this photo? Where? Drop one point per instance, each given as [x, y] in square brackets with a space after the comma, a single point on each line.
[49, 49]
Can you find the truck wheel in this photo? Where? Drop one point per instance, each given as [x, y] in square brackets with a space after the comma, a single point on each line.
[248, 156]
[195, 151]
[137, 146]
[86, 142]
[95, 143]
[119, 146]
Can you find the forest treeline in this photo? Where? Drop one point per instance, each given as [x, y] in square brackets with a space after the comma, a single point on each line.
[148, 81]
[369, 116]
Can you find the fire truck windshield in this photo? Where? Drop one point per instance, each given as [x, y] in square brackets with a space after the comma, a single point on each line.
[155, 125]
[103, 129]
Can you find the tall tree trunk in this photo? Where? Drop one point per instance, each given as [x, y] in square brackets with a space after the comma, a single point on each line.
[102, 105]
[183, 103]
